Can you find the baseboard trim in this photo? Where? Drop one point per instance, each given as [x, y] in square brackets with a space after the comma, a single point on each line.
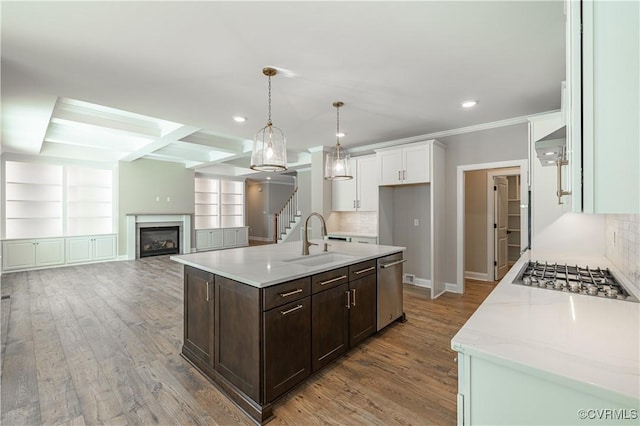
[453, 288]
[422, 282]
[480, 276]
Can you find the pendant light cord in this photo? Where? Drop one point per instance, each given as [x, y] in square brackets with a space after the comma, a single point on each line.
[338, 126]
[269, 121]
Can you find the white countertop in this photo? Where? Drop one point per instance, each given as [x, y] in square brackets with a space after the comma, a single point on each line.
[591, 340]
[265, 265]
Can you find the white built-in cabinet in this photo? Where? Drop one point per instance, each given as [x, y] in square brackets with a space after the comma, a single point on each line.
[92, 248]
[46, 252]
[361, 192]
[407, 164]
[25, 254]
[219, 238]
[412, 211]
[604, 82]
[493, 391]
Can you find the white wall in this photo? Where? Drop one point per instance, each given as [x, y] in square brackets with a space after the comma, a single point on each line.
[487, 146]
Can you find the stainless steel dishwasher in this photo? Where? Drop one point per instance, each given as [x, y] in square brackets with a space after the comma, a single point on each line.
[390, 289]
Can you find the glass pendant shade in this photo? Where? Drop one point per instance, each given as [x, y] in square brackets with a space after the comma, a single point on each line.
[337, 165]
[269, 152]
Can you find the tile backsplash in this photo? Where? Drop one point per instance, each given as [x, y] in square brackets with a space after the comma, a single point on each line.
[363, 222]
[622, 244]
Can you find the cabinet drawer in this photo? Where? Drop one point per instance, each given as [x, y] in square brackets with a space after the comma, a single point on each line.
[329, 279]
[362, 269]
[285, 293]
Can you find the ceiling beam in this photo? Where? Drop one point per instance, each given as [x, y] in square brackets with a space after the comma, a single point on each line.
[171, 137]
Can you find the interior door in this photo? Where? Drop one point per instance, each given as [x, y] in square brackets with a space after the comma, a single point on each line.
[500, 220]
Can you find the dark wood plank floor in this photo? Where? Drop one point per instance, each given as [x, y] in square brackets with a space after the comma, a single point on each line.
[100, 344]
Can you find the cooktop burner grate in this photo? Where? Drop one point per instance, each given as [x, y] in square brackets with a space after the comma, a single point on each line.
[573, 279]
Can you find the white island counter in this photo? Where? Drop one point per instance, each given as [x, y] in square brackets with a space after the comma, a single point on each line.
[538, 356]
[266, 265]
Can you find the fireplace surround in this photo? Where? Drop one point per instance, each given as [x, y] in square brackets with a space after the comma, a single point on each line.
[136, 221]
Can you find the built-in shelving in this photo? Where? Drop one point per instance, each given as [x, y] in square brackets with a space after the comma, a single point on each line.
[53, 200]
[219, 203]
[33, 200]
[513, 214]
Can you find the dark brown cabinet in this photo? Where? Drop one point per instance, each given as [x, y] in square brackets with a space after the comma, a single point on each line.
[287, 346]
[362, 314]
[199, 310]
[330, 325]
[256, 343]
[345, 314]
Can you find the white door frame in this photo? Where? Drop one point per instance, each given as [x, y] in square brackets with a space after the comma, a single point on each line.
[512, 171]
[524, 187]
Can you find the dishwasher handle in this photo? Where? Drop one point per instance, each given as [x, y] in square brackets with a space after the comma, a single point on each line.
[390, 264]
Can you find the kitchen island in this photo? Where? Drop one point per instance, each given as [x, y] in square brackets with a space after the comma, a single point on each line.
[258, 321]
[539, 356]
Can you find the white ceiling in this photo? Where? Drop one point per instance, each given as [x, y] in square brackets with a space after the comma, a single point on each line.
[172, 74]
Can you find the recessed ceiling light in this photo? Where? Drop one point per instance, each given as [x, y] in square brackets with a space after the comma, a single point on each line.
[468, 104]
[239, 119]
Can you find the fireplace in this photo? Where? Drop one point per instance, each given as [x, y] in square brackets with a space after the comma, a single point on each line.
[158, 240]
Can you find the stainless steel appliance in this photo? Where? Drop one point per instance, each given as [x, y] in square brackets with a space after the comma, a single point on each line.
[390, 289]
[597, 282]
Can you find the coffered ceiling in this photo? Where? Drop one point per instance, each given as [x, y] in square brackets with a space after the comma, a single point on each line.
[108, 81]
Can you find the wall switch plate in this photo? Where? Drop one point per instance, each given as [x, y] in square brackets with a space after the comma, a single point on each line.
[416, 222]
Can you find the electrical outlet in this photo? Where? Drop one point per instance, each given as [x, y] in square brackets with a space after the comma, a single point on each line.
[416, 222]
[409, 279]
[157, 198]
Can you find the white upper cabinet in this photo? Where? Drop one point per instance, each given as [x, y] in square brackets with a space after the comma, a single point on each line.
[408, 164]
[607, 143]
[361, 192]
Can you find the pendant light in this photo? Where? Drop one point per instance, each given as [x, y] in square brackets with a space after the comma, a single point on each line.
[269, 152]
[337, 162]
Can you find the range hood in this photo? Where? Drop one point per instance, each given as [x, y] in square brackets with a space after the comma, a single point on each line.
[551, 147]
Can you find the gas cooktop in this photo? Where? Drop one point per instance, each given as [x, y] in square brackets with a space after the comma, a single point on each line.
[573, 279]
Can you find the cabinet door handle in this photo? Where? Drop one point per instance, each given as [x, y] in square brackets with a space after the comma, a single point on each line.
[354, 204]
[291, 293]
[353, 302]
[362, 271]
[348, 305]
[288, 311]
[333, 280]
[404, 175]
[399, 174]
[358, 203]
[208, 291]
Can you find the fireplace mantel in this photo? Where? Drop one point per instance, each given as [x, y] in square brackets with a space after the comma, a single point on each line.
[136, 219]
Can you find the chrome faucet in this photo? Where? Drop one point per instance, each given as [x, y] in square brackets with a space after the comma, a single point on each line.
[305, 239]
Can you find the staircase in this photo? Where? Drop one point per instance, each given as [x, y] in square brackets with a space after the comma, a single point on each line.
[286, 220]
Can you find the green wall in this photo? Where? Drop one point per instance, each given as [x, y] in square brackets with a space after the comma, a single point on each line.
[152, 187]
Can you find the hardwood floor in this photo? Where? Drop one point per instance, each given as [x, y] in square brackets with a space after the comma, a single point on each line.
[100, 344]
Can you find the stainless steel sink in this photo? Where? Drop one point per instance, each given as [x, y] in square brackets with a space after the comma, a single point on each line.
[320, 259]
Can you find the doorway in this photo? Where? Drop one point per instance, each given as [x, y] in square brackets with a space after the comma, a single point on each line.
[477, 248]
[504, 213]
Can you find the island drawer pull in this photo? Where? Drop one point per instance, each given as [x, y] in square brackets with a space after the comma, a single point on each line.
[291, 293]
[207, 291]
[353, 302]
[348, 306]
[390, 264]
[291, 310]
[341, 277]
[362, 271]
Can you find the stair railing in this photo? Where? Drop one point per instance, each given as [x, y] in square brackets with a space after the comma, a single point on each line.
[285, 216]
